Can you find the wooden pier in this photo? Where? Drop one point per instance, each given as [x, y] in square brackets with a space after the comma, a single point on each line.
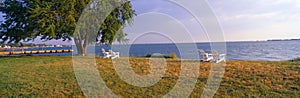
[35, 52]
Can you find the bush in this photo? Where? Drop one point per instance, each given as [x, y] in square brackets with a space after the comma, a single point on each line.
[295, 60]
[173, 55]
[156, 55]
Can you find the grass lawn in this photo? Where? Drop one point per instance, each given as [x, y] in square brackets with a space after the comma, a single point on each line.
[54, 77]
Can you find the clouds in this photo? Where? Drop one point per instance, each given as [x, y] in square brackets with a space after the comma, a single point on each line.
[298, 4]
[179, 14]
[240, 19]
[257, 20]
[256, 9]
[155, 27]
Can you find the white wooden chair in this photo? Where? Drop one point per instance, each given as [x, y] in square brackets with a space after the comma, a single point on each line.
[217, 58]
[205, 57]
[114, 54]
[110, 54]
[105, 54]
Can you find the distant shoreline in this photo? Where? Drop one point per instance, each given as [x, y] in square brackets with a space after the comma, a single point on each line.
[284, 40]
[212, 42]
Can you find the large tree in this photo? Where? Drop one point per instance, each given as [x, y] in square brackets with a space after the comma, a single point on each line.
[57, 19]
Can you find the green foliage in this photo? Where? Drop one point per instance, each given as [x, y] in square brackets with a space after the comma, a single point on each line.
[57, 19]
[295, 60]
[114, 23]
[16, 26]
[171, 55]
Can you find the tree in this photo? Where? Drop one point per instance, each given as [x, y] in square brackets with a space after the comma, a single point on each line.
[57, 19]
[16, 24]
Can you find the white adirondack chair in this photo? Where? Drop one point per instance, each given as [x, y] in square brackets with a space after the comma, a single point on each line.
[106, 54]
[217, 58]
[110, 54]
[114, 54]
[205, 57]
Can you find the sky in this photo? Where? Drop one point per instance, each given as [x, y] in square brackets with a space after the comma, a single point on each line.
[259, 19]
[161, 21]
[241, 20]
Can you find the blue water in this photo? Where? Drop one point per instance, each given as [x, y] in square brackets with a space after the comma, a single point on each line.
[263, 50]
[268, 50]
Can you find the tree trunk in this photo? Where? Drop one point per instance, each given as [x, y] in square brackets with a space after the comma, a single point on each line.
[81, 44]
[85, 44]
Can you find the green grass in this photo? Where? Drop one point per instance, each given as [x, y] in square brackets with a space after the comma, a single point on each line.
[38, 77]
[54, 77]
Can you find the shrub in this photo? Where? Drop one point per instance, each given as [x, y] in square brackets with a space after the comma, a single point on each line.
[156, 55]
[295, 60]
[173, 55]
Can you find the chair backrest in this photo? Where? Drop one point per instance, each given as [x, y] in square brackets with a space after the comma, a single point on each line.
[103, 50]
[203, 54]
[215, 54]
[110, 52]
